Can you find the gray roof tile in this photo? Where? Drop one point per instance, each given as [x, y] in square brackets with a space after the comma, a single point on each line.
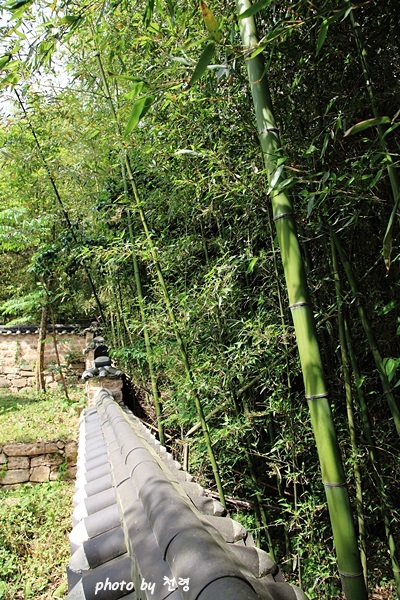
[141, 521]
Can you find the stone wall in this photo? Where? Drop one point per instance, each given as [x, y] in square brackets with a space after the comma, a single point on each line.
[113, 386]
[37, 461]
[18, 353]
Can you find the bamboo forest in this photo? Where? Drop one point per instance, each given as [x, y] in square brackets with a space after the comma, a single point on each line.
[217, 186]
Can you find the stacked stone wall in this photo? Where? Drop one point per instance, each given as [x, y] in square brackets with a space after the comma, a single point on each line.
[18, 355]
[37, 462]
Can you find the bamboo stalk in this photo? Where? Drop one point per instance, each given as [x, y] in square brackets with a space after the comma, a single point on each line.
[53, 324]
[258, 501]
[142, 310]
[376, 471]
[348, 556]
[164, 289]
[147, 342]
[289, 384]
[40, 380]
[350, 415]
[369, 333]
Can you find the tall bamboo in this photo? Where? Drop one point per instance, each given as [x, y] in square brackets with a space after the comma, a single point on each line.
[350, 413]
[142, 309]
[348, 556]
[376, 471]
[40, 379]
[369, 333]
[147, 342]
[154, 255]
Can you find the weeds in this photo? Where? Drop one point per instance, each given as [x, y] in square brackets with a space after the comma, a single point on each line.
[34, 550]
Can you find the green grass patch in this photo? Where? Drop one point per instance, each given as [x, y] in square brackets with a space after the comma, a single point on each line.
[34, 549]
[34, 417]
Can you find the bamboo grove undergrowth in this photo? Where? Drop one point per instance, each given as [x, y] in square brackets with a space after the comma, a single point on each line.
[142, 118]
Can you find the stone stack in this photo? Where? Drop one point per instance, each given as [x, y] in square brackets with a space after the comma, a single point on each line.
[37, 461]
[18, 356]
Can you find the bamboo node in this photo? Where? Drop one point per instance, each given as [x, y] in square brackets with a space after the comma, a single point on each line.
[284, 216]
[334, 485]
[299, 305]
[316, 396]
[360, 574]
[268, 130]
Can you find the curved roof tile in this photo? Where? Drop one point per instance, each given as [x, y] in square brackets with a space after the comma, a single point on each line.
[143, 529]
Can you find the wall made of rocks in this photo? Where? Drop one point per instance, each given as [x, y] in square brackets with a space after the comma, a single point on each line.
[37, 461]
[18, 353]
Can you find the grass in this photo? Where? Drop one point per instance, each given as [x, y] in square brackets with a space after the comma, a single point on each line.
[35, 519]
[34, 549]
[33, 417]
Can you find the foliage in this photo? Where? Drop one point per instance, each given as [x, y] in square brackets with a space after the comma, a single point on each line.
[186, 123]
[32, 417]
[33, 539]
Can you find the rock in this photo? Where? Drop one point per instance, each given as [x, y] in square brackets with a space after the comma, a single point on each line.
[29, 449]
[60, 445]
[40, 474]
[50, 447]
[71, 451]
[15, 476]
[3, 458]
[4, 382]
[18, 462]
[20, 383]
[26, 372]
[9, 370]
[54, 474]
[71, 472]
[46, 460]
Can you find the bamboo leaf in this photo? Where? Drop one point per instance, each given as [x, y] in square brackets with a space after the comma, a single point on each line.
[310, 205]
[362, 125]
[69, 19]
[254, 9]
[322, 36]
[252, 264]
[11, 78]
[140, 108]
[391, 366]
[204, 61]
[137, 88]
[18, 8]
[4, 60]
[148, 13]
[275, 33]
[210, 21]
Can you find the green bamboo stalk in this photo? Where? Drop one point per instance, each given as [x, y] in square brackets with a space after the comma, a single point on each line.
[258, 499]
[147, 342]
[348, 556]
[164, 289]
[368, 332]
[350, 414]
[39, 368]
[289, 386]
[141, 300]
[376, 470]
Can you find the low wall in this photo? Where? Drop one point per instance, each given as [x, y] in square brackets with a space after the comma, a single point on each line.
[37, 461]
[18, 355]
